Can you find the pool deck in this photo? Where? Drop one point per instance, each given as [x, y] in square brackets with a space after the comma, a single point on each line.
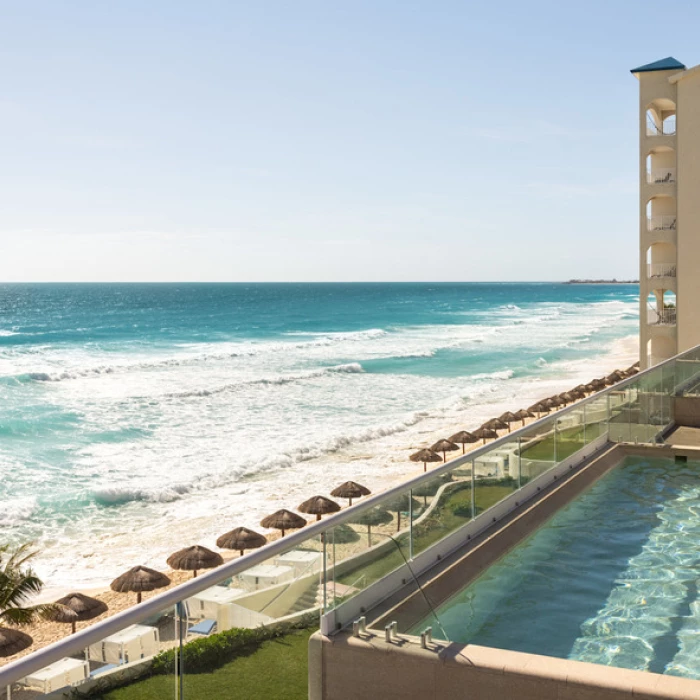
[684, 436]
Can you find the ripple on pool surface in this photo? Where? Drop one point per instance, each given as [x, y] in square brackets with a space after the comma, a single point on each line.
[611, 579]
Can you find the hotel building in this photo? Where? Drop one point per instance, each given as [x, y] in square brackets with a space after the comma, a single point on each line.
[669, 208]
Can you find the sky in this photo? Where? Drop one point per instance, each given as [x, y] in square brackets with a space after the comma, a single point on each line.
[325, 140]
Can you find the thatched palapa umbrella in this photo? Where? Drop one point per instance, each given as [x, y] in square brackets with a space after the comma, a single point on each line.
[139, 579]
[539, 407]
[425, 456]
[13, 641]
[554, 401]
[76, 607]
[522, 414]
[194, 558]
[318, 506]
[444, 446]
[598, 384]
[241, 538]
[350, 490]
[431, 487]
[463, 438]
[283, 520]
[495, 424]
[373, 518]
[567, 397]
[508, 417]
[485, 433]
[400, 504]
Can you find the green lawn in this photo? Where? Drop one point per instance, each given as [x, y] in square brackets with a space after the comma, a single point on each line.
[568, 442]
[275, 669]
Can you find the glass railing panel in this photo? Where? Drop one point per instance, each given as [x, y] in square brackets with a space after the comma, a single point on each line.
[668, 381]
[113, 663]
[362, 552]
[282, 587]
[445, 505]
[537, 451]
[619, 425]
[249, 639]
[570, 433]
[648, 407]
[596, 418]
[687, 377]
[496, 475]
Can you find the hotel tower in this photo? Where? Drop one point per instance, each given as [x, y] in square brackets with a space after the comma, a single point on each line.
[669, 209]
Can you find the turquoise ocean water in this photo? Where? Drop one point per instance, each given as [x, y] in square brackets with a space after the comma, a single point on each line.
[135, 419]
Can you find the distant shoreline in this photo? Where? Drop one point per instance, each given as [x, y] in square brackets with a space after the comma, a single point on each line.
[613, 281]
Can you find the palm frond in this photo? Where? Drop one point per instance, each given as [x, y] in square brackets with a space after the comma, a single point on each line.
[18, 616]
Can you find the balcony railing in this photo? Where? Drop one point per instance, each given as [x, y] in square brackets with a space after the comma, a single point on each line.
[666, 128]
[661, 176]
[663, 222]
[661, 317]
[661, 270]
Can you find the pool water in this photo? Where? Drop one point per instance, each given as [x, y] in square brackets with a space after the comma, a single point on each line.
[611, 579]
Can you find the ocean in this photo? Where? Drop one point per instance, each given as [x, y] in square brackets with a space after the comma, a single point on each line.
[136, 419]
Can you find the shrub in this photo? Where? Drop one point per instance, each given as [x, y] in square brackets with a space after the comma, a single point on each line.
[463, 510]
[209, 653]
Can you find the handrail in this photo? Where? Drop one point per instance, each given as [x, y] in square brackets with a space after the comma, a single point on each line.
[76, 643]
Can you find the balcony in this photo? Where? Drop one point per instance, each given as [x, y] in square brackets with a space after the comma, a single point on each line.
[663, 222]
[661, 270]
[656, 127]
[662, 317]
[661, 176]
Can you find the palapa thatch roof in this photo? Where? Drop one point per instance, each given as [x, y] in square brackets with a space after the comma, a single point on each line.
[318, 506]
[539, 407]
[554, 401]
[13, 641]
[425, 455]
[241, 538]
[350, 489]
[444, 446]
[485, 433]
[76, 607]
[508, 417]
[463, 437]
[374, 517]
[495, 424]
[139, 579]
[524, 413]
[194, 558]
[283, 520]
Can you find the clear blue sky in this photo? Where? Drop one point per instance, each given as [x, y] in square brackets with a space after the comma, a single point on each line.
[324, 140]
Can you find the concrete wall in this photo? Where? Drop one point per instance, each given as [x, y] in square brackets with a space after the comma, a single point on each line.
[688, 91]
[686, 411]
[348, 668]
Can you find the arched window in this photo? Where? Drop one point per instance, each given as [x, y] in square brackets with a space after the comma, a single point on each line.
[661, 117]
[661, 166]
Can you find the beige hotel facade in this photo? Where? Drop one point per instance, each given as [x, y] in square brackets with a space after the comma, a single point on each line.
[669, 208]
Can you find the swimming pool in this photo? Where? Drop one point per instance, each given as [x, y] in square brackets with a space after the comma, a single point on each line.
[612, 578]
